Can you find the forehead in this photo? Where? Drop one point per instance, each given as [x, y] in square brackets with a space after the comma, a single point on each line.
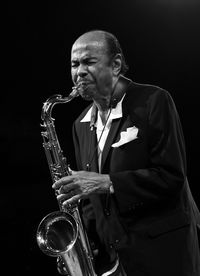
[88, 46]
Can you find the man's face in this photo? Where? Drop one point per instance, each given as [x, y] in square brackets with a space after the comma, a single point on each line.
[90, 65]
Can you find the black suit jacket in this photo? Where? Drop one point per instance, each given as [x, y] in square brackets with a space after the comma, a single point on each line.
[151, 219]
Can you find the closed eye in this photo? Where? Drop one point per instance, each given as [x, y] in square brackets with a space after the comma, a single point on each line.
[74, 64]
[84, 62]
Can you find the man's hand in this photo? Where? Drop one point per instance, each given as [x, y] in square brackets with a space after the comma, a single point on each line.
[79, 185]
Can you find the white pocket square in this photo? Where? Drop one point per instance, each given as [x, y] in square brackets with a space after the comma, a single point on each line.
[126, 136]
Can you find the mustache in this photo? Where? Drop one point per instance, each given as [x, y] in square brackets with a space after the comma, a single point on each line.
[82, 85]
[83, 82]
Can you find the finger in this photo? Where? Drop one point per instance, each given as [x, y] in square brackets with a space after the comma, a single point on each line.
[73, 172]
[67, 195]
[77, 172]
[63, 197]
[71, 201]
[68, 188]
[62, 181]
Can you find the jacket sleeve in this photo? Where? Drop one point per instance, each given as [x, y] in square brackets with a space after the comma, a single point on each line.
[164, 177]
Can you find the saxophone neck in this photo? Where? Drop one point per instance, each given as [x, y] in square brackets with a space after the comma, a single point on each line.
[57, 99]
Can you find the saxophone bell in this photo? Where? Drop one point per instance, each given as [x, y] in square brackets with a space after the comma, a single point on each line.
[57, 233]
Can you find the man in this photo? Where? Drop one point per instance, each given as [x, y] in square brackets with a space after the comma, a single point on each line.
[131, 177]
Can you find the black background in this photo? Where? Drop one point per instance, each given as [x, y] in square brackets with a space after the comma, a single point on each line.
[161, 43]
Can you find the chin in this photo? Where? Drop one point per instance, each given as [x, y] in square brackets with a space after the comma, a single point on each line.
[86, 97]
[87, 94]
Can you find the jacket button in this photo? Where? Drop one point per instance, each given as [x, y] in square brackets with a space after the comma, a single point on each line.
[106, 211]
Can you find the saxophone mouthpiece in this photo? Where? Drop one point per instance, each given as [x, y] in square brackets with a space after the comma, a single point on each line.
[75, 90]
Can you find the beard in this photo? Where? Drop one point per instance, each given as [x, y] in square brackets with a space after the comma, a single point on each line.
[86, 92]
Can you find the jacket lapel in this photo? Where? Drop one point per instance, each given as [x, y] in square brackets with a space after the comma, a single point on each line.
[92, 152]
[125, 84]
[110, 139]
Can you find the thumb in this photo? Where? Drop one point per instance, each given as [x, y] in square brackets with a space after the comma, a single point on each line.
[70, 171]
[73, 172]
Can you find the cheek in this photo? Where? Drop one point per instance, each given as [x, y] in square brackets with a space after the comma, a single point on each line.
[105, 79]
[104, 73]
[73, 75]
[102, 76]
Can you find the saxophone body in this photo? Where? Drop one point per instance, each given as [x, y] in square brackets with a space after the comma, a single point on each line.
[61, 233]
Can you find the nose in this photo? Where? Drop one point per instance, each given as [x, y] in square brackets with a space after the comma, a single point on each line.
[82, 71]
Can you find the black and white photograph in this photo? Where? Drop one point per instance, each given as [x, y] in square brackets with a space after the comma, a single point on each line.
[100, 138]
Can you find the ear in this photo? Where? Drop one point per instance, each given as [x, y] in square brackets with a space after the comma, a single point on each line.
[117, 64]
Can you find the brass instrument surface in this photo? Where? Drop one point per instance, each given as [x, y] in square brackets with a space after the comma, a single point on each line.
[61, 233]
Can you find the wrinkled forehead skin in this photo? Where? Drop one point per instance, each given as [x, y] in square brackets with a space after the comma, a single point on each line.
[90, 41]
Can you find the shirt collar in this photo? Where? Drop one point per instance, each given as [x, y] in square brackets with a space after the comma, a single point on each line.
[115, 112]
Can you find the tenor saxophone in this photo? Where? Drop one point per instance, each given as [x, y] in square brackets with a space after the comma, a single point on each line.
[61, 233]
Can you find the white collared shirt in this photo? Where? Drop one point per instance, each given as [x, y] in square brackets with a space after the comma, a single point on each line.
[103, 130]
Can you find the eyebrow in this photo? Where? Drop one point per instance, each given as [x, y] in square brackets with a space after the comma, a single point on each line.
[85, 58]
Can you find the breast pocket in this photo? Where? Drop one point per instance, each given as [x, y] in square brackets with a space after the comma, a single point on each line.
[127, 136]
[129, 156]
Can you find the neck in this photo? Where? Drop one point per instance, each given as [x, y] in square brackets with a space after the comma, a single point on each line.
[103, 109]
[119, 90]
[103, 104]
[110, 101]
[104, 116]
